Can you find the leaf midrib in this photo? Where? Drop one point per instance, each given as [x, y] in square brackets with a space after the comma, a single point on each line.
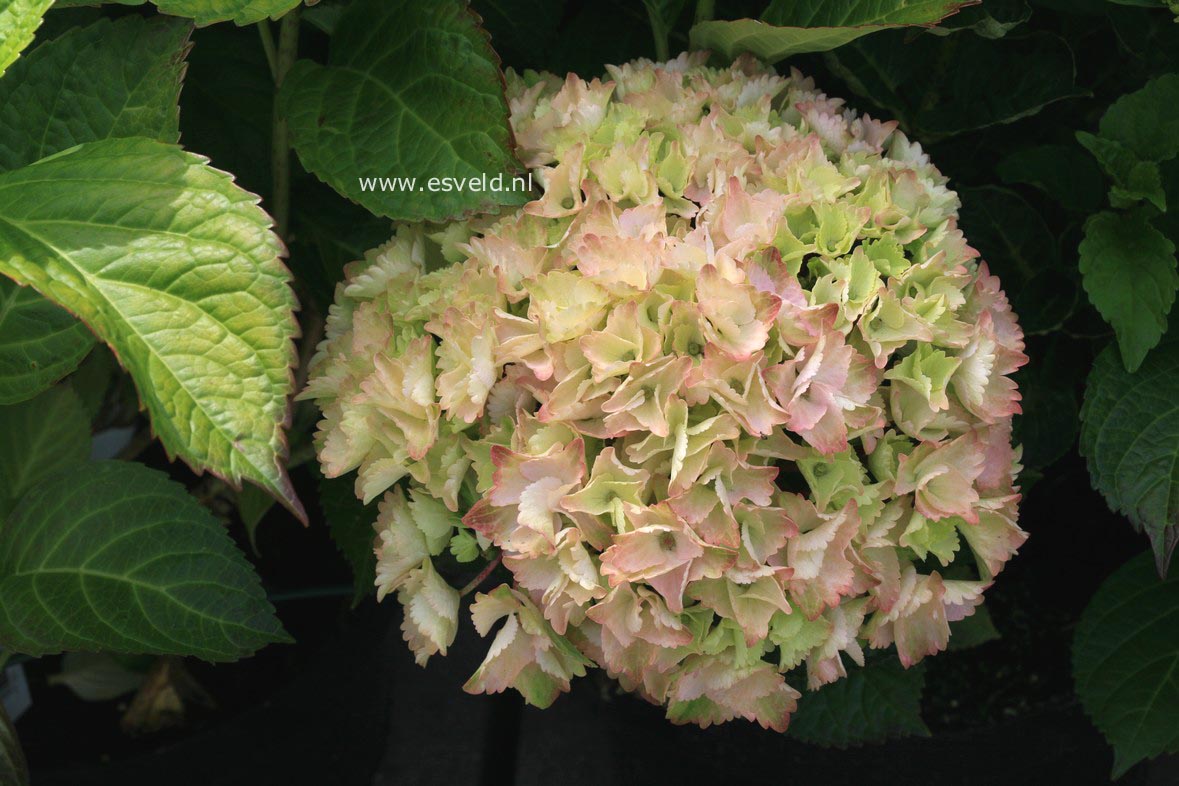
[231, 440]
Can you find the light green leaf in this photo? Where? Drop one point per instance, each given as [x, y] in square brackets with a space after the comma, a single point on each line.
[1130, 439]
[39, 342]
[1126, 663]
[410, 90]
[19, 20]
[240, 12]
[1128, 270]
[104, 80]
[351, 526]
[871, 704]
[1146, 122]
[116, 557]
[791, 28]
[177, 269]
[208, 12]
[13, 769]
[40, 436]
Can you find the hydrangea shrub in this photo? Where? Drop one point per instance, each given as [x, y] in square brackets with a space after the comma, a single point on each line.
[731, 399]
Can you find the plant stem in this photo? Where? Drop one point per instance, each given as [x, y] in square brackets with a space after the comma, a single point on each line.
[704, 11]
[268, 47]
[280, 143]
[659, 32]
[483, 574]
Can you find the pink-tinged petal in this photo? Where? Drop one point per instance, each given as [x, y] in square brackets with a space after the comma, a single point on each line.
[818, 555]
[995, 537]
[737, 316]
[942, 476]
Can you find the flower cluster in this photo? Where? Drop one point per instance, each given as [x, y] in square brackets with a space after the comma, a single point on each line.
[727, 399]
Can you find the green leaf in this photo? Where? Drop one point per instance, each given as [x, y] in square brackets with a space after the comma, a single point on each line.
[1126, 663]
[1134, 180]
[1128, 270]
[13, 769]
[942, 86]
[19, 20]
[351, 527]
[40, 436]
[119, 558]
[1063, 172]
[791, 28]
[177, 269]
[39, 342]
[208, 12]
[1130, 439]
[871, 704]
[1146, 122]
[240, 12]
[105, 80]
[411, 90]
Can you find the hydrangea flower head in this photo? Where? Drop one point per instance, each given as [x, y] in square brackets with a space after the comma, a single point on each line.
[730, 398]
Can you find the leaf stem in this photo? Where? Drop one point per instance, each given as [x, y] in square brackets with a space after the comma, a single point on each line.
[659, 32]
[704, 10]
[268, 47]
[280, 143]
[483, 574]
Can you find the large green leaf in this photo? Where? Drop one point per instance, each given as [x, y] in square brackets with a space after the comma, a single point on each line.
[240, 12]
[60, 95]
[104, 80]
[941, 86]
[19, 20]
[208, 12]
[411, 90]
[871, 704]
[1130, 438]
[40, 437]
[39, 342]
[1126, 663]
[177, 269]
[1128, 270]
[791, 28]
[117, 557]
[351, 525]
